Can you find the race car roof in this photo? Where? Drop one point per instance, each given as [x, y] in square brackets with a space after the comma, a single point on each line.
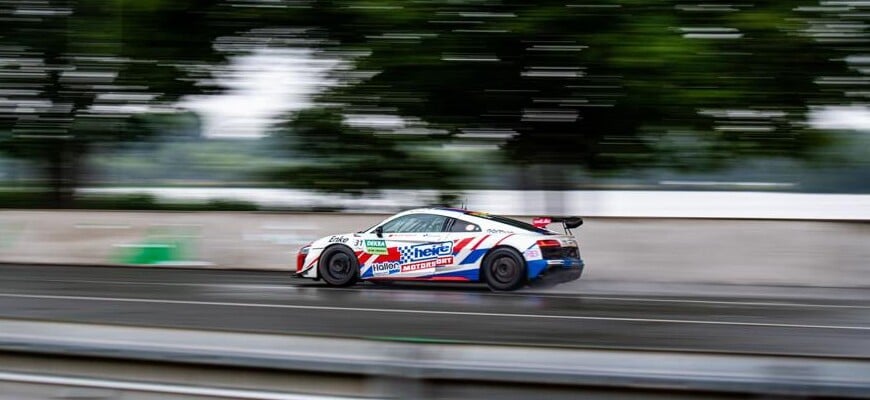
[497, 219]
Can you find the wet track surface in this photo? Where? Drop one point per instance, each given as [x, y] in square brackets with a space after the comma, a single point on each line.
[274, 302]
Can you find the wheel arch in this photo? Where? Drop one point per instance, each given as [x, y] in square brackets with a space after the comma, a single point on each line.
[323, 251]
[518, 252]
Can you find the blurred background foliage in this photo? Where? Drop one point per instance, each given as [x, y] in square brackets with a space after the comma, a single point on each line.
[438, 94]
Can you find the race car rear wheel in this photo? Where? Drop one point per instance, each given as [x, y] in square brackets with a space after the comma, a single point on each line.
[339, 266]
[504, 269]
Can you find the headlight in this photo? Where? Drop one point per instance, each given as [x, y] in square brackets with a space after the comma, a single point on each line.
[300, 258]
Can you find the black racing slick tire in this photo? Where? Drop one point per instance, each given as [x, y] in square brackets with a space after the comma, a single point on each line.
[504, 269]
[338, 266]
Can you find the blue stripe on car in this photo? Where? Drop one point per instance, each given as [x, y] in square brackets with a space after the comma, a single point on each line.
[470, 274]
[474, 256]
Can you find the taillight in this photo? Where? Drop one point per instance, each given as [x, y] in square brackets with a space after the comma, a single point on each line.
[551, 249]
[300, 258]
[549, 243]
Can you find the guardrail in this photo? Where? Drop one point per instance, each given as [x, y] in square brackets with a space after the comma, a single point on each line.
[278, 366]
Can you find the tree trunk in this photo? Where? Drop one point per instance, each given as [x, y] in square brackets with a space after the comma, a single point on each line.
[63, 175]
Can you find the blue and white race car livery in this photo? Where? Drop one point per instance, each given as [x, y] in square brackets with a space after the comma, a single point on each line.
[447, 244]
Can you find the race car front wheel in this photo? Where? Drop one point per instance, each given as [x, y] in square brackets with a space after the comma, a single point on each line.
[339, 266]
[504, 269]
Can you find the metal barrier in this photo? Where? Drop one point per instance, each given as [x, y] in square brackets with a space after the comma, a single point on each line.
[208, 364]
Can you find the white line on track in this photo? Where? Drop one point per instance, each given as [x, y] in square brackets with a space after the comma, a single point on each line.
[189, 284]
[431, 312]
[521, 295]
[640, 299]
[736, 303]
[157, 388]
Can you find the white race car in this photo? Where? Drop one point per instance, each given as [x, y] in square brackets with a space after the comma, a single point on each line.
[447, 244]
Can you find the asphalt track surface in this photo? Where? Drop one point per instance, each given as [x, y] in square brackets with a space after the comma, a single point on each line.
[274, 302]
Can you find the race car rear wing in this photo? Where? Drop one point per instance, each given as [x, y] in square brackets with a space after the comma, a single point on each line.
[568, 223]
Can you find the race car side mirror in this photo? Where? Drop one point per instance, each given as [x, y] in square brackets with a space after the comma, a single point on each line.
[379, 231]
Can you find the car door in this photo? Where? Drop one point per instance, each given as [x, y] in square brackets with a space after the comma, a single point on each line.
[410, 246]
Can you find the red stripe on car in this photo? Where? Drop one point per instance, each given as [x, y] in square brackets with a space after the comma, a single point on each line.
[478, 243]
[423, 278]
[392, 255]
[449, 279]
[502, 240]
[462, 243]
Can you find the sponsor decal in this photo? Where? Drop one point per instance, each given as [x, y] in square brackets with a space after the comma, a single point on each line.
[532, 254]
[386, 268]
[378, 247]
[430, 264]
[426, 251]
[497, 231]
[425, 256]
[337, 239]
[542, 222]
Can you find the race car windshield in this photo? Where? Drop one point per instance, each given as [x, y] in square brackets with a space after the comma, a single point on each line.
[512, 222]
[369, 228]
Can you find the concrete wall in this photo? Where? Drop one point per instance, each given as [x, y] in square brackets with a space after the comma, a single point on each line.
[590, 203]
[799, 253]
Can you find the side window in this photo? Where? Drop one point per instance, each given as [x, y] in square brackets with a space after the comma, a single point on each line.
[457, 225]
[415, 223]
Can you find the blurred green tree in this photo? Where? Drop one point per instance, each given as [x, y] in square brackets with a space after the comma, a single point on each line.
[604, 85]
[74, 72]
[356, 160]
